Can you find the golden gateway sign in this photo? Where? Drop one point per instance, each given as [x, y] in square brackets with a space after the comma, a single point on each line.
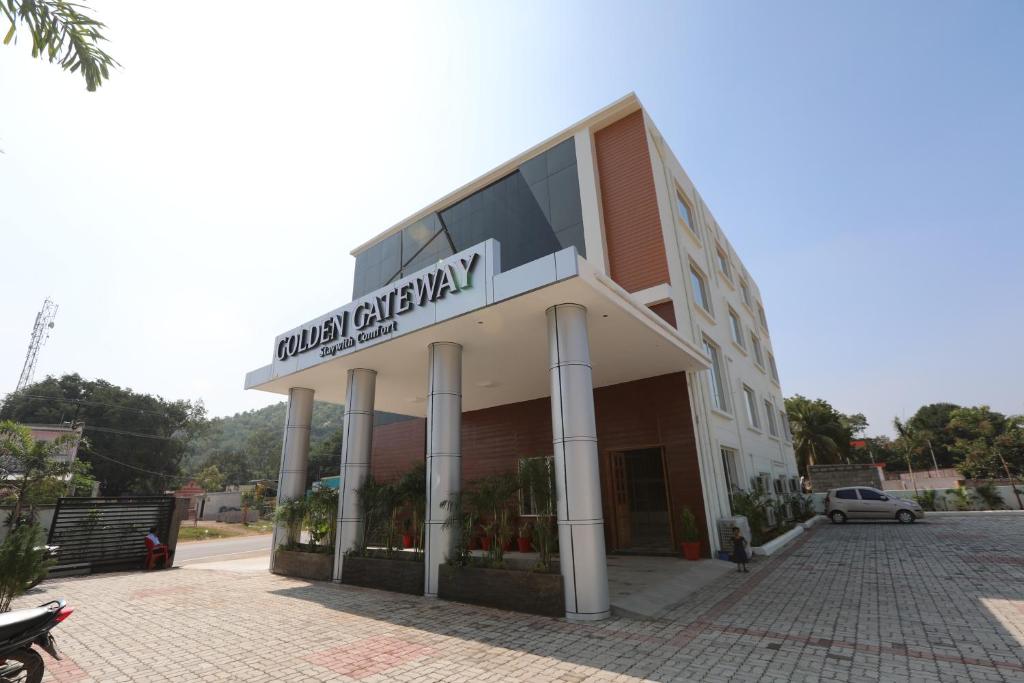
[377, 313]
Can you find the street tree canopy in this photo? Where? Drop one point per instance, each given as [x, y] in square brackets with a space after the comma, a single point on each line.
[135, 441]
[62, 33]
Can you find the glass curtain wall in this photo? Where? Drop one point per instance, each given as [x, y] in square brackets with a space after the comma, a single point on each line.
[532, 212]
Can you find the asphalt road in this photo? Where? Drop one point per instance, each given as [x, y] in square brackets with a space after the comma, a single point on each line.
[222, 549]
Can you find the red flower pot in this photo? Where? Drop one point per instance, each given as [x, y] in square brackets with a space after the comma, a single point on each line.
[474, 543]
[485, 542]
[691, 551]
[524, 544]
[407, 540]
[509, 545]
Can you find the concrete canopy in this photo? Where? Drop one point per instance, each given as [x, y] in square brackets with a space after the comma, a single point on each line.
[505, 357]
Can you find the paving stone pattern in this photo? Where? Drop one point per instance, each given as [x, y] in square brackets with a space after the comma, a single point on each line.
[941, 600]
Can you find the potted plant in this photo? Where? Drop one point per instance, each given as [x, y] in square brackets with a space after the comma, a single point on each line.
[407, 538]
[691, 537]
[523, 540]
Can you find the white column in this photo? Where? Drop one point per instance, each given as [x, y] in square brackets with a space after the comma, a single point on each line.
[357, 441]
[291, 478]
[581, 549]
[444, 455]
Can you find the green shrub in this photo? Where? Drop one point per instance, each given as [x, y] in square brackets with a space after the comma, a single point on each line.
[754, 506]
[291, 514]
[926, 499]
[960, 497]
[989, 495]
[322, 516]
[22, 562]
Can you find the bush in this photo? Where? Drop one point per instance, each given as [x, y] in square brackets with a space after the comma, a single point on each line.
[753, 505]
[989, 495]
[926, 499]
[22, 562]
[292, 514]
[960, 497]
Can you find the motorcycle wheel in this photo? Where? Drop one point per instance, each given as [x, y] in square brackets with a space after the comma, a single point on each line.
[32, 666]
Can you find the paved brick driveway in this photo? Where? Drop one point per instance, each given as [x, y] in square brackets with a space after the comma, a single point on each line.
[940, 600]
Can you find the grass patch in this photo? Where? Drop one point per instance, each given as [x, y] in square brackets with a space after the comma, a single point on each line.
[199, 533]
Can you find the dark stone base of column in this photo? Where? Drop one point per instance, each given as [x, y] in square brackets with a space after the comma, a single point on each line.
[519, 591]
[399, 575]
[304, 565]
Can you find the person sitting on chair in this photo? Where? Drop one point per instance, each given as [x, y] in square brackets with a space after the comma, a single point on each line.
[155, 550]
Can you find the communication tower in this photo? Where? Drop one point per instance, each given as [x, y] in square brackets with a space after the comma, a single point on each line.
[40, 333]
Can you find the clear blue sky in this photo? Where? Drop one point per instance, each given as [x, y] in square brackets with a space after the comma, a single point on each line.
[866, 160]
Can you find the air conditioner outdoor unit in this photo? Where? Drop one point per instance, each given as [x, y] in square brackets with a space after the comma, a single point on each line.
[771, 517]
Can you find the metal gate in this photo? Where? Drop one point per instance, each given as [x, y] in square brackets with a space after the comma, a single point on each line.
[107, 532]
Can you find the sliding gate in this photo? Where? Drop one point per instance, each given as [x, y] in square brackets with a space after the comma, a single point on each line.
[107, 533]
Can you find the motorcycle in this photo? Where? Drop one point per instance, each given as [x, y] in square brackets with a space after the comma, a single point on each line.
[19, 631]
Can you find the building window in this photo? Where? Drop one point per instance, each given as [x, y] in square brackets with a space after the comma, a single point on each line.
[717, 386]
[684, 211]
[769, 412]
[784, 421]
[752, 413]
[732, 479]
[760, 315]
[794, 485]
[700, 289]
[723, 263]
[771, 366]
[778, 486]
[737, 329]
[745, 289]
[763, 483]
[528, 498]
[755, 344]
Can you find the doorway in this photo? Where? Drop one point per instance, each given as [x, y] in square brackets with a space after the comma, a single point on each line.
[639, 502]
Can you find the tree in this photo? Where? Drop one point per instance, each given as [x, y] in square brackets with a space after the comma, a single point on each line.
[32, 469]
[819, 435]
[210, 478]
[984, 439]
[136, 441]
[931, 422]
[63, 34]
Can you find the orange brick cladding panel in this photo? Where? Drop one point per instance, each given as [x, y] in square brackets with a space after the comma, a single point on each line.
[640, 414]
[666, 311]
[632, 225]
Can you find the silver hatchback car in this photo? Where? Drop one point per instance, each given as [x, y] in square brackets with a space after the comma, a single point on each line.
[864, 502]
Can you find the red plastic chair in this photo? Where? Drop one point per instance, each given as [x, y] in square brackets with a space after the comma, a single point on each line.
[155, 551]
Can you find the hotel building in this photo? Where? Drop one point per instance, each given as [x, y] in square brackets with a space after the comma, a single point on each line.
[579, 303]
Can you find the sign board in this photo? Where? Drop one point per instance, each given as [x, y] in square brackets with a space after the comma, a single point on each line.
[451, 287]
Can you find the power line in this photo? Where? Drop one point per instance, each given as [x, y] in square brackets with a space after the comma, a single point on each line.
[133, 467]
[89, 428]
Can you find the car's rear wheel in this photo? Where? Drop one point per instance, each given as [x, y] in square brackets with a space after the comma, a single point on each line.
[905, 516]
[838, 517]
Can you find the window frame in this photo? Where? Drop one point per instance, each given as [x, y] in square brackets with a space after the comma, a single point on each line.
[705, 291]
[753, 413]
[769, 410]
[716, 378]
[745, 294]
[784, 421]
[758, 352]
[683, 202]
[723, 262]
[736, 329]
[761, 316]
[773, 369]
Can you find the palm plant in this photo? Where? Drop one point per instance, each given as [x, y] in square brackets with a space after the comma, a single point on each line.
[292, 514]
[816, 432]
[321, 517]
[413, 491]
[537, 482]
[926, 499]
[493, 497]
[961, 497]
[461, 519]
[990, 496]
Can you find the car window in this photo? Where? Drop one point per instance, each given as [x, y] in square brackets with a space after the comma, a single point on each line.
[846, 494]
[868, 494]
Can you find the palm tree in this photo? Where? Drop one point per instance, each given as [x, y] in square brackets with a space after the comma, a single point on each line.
[61, 33]
[27, 463]
[911, 440]
[817, 432]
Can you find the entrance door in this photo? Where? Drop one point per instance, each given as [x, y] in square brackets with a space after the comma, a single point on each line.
[640, 501]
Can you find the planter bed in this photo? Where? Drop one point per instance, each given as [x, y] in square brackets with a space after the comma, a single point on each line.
[401, 574]
[519, 591]
[304, 565]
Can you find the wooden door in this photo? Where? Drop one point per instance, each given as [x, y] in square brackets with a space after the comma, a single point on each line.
[621, 518]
